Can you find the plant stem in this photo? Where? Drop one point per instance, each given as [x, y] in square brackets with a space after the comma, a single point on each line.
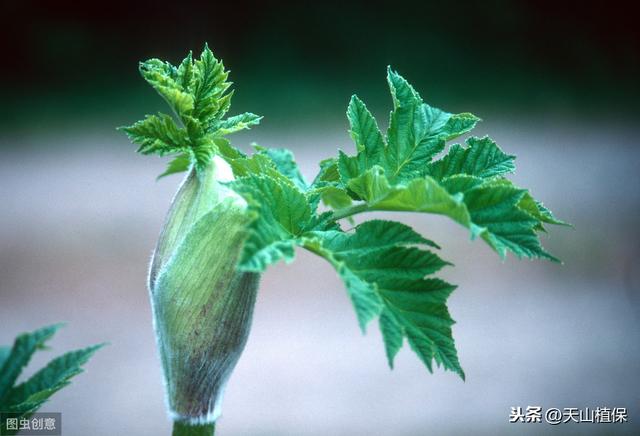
[348, 211]
[181, 428]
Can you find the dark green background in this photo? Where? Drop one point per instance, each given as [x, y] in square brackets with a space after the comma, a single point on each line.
[68, 62]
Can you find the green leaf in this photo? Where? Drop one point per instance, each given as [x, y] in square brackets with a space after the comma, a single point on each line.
[398, 174]
[23, 348]
[539, 212]
[365, 133]
[185, 73]
[402, 92]
[228, 151]
[165, 79]
[459, 124]
[392, 335]
[51, 378]
[281, 213]
[460, 183]
[483, 158]
[177, 165]
[503, 225]
[4, 353]
[419, 307]
[375, 235]
[411, 142]
[27, 397]
[209, 87]
[416, 133]
[419, 195]
[286, 164]
[203, 146]
[237, 123]
[491, 211]
[276, 163]
[158, 134]
[328, 172]
[505, 216]
[384, 274]
[259, 164]
[333, 196]
[198, 92]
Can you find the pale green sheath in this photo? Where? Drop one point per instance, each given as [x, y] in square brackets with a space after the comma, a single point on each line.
[202, 306]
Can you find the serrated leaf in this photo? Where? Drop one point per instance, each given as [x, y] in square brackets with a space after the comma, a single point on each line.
[164, 78]
[416, 133]
[228, 151]
[53, 377]
[505, 216]
[520, 218]
[402, 92]
[403, 177]
[420, 308]
[365, 133]
[159, 135]
[276, 163]
[459, 124]
[259, 164]
[203, 146]
[408, 263]
[482, 158]
[209, 87]
[460, 183]
[411, 145]
[503, 225]
[177, 165]
[375, 235]
[384, 273]
[237, 123]
[538, 211]
[333, 196]
[185, 73]
[488, 210]
[328, 172]
[198, 92]
[363, 295]
[419, 195]
[23, 348]
[281, 214]
[286, 164]
[392, 335]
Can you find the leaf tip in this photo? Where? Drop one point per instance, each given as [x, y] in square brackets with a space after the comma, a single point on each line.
[389, 70]
[461, 373]
[57, 326]
[390, 362]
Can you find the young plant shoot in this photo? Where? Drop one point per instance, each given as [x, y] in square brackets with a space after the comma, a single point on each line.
[236, 214]
[19, 401]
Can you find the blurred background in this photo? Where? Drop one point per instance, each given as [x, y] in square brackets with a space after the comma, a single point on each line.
[557, 85]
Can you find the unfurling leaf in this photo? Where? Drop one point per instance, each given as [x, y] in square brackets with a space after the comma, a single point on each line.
[198, 93]
[23, 399]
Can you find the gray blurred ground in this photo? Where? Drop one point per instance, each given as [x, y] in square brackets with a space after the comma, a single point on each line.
[80, 214]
